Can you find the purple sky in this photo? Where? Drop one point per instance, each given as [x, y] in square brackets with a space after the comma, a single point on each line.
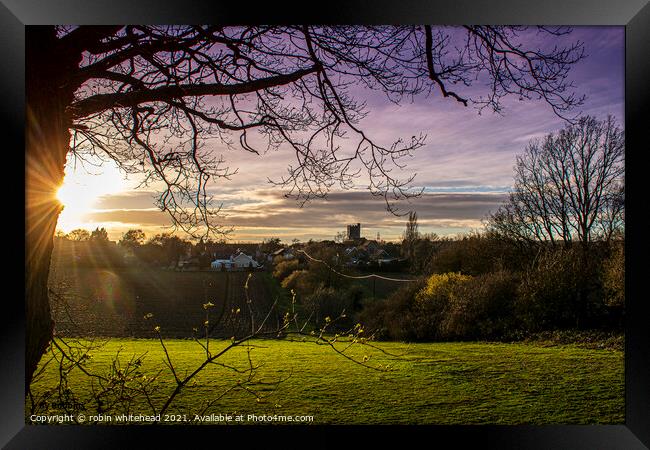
[465, 166]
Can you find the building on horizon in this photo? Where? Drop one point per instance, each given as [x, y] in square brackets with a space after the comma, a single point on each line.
[354, 232]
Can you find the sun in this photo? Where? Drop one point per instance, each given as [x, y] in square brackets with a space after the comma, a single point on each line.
[82, 189]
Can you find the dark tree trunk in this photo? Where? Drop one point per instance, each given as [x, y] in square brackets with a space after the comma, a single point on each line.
[47, 139]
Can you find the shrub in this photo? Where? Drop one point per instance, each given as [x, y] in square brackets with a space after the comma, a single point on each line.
[562, 290]
[284, 268]
[355, 293]
[388, 319]
[328, 302]
[415, 312]
[481, 308]
[479, 253]
[302, 282]
[430, 305]
[447, 306]
[470, 255]
[440, 285]
[574, 286]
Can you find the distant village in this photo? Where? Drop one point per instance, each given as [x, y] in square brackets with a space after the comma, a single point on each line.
[172, 253]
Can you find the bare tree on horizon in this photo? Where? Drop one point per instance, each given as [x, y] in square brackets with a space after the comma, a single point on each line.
[568, 187]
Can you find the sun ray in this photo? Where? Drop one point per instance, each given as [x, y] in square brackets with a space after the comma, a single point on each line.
[83, 188]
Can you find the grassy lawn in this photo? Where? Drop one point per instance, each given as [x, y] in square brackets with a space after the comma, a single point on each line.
[440, 383]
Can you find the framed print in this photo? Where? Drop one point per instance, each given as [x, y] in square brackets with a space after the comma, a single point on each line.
[406, 217]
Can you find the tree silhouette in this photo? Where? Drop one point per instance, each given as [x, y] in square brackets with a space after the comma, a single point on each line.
[568, 187]
[174, 248]
[132, 239]
[148, 98]
[410, 236]
[99, 235]
[78, 235]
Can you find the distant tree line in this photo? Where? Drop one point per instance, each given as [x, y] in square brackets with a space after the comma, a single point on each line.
[93, 248]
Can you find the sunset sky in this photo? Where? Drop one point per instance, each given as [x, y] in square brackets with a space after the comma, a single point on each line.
[465, 167]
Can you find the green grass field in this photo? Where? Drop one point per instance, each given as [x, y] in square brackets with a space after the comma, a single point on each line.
[441, 383]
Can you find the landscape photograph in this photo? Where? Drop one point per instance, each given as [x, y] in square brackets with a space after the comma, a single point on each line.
[324, 225]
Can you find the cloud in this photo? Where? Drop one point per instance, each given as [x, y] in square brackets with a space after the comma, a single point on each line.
[137, 217]
[126, 200]
[271, 211]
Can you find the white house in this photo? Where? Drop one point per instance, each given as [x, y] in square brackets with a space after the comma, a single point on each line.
[239, 261]
[243, 261]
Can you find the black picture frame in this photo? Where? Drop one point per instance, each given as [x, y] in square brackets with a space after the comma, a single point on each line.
[633, 14]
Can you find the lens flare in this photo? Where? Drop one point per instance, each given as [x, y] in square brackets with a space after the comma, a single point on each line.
[82, 190]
